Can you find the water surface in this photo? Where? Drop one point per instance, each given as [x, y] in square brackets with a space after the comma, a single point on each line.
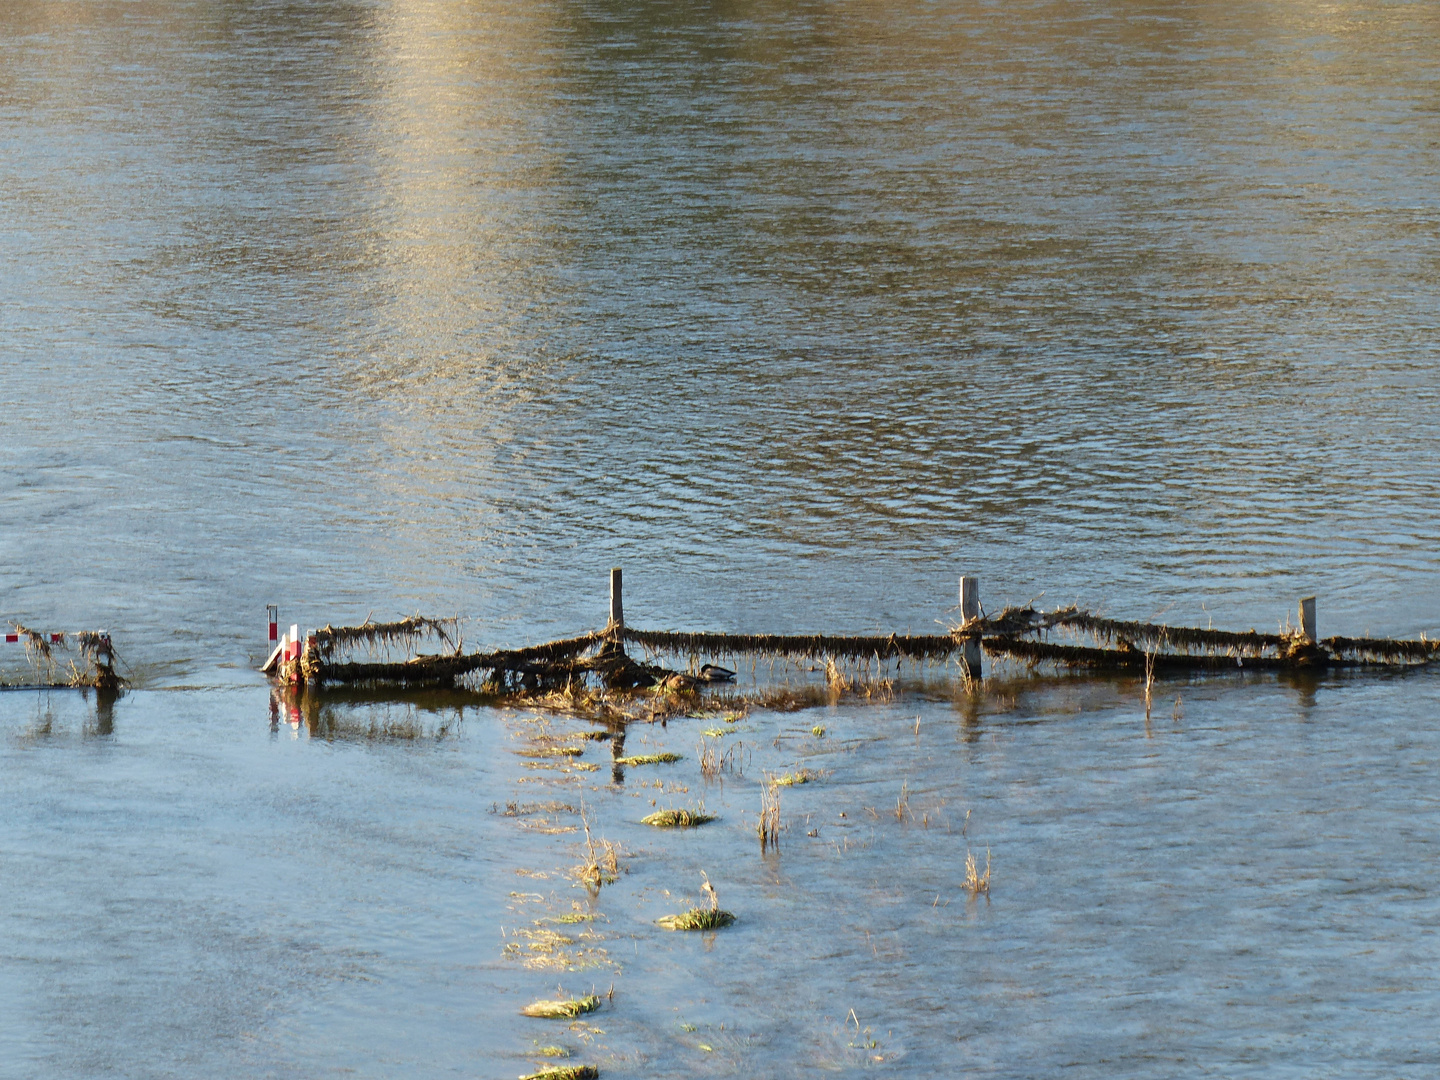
[797, 312]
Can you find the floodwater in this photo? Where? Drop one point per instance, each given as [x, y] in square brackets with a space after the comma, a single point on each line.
[797, 312]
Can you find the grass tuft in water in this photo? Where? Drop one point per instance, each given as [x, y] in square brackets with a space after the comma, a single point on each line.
[649, 759]
[767, 826]
[565, 1072]
[562, 1010]
[700, 918]
[696, 919]
[677, 819]
[975, 881]
[804, 776]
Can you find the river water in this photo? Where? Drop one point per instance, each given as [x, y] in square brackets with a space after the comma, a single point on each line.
[797, 312]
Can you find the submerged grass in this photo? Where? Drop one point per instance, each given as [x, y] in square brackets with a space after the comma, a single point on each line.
[803, 776]
[565, 1009]
[551, 751]
[677, 819]
[649, 759]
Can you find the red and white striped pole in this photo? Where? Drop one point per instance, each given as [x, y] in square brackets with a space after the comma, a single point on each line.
[274, 613]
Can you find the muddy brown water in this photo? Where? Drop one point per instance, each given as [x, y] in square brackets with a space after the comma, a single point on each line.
[797, 312]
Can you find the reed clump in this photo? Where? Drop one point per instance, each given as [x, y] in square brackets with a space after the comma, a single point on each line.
[709, 759]
[902, 803]
[564, 1009]
[602, 859]
[677, 819]
[975, 881]
[768, 825]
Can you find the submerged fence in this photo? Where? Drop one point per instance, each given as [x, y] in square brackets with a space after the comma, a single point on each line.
[1024, 634]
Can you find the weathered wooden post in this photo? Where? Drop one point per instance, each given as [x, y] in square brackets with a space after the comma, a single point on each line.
[1307, 619]
[617, 607]
[970, 609]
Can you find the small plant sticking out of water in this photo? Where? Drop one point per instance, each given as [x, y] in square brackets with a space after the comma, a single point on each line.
[715, 732]
[768, 827]
[677, 819]
[818, 731]
[602, 859]
[834, 677]
[975, 881]
[863, 1040]
[709, 759]
[1149, 681]
[565, 1072]
[711, 918]
[803, 776]
[902, 803]
[551, 1052]
[649, 759]
[1179, 710]
[563, 1009]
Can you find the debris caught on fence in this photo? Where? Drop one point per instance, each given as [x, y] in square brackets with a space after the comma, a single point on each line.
[92, 665]
[581, 670]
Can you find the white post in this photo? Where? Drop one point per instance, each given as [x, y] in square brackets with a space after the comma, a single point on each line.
[970, 609]
[1307, 619]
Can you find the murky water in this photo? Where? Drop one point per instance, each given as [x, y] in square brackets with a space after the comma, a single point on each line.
[797, 312]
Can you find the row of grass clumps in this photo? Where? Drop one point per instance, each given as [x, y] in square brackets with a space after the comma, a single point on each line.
[695, 919]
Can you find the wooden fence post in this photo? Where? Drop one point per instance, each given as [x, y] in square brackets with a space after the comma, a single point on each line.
[970, 609]
[617, 607]
[1307, 619]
